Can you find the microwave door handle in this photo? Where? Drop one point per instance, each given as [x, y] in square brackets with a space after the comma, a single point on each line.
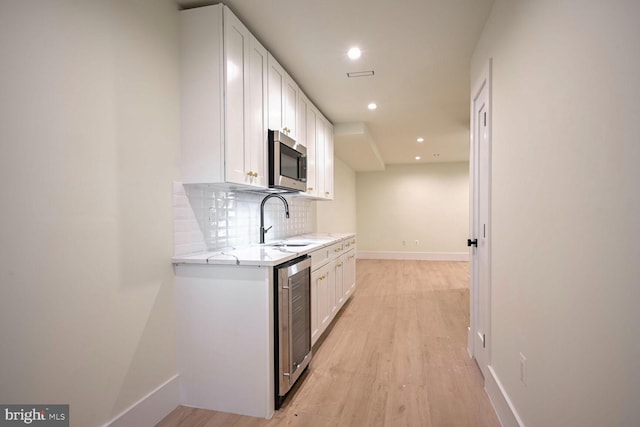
[302, 173]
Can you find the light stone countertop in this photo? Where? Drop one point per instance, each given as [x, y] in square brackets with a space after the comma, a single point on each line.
[264, 255]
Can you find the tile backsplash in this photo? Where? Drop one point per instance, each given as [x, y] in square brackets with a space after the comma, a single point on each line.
[208, 218]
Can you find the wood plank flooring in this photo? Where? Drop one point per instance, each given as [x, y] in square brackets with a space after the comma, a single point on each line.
[395, 356]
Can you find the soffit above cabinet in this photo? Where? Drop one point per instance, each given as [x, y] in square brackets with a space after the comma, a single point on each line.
[354, 145]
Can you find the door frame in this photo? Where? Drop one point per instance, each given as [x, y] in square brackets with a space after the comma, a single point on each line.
[483, 81]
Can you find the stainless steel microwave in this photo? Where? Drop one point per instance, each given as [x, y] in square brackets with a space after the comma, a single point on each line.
[287, 163]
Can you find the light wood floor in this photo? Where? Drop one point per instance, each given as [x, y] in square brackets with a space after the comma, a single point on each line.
[395, 356]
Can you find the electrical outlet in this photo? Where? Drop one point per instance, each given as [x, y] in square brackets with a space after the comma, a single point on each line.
[404, 243]
[523, 369]
[417, 242]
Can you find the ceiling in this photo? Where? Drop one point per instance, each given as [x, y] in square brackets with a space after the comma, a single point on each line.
[420, 52]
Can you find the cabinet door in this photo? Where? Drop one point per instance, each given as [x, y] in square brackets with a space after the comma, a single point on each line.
[324, 304]
[324, 161]
[236, 63]
[339, 282]
[312, 156]
[319, 316]
[301, 126]
[256, 117]
[349, 284]
[283, 99]
[328, 161]
[290, 98]
[277, 82]
[332, 297]
[320, 134]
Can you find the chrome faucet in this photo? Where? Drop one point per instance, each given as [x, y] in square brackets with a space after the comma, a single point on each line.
[263, 231]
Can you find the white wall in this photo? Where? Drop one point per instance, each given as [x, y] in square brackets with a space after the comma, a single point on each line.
[339, 214]
[566, 208]
[89, 127]
[425, 202]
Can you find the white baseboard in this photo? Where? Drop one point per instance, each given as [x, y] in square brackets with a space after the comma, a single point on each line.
[422, 256]
[152, 408]
[501, 403]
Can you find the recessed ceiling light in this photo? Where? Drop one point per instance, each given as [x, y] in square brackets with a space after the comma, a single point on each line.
[354, 53]
[372, 106]
[417, 157]
[421, 139]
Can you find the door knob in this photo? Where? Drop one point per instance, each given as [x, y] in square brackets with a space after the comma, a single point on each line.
[473, 242]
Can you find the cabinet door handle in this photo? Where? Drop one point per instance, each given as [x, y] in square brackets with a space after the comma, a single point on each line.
[309, 188]
[340, 265]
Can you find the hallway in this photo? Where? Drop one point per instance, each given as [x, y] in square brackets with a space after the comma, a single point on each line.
[396, 356]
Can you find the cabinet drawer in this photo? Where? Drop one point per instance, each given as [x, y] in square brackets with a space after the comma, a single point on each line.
[349, 243]
[319, 258]
[336, 249]
[322, 256]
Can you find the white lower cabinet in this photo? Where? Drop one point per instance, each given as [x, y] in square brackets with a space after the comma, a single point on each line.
[319, 301]
[349, 273]
[332, 282]
[224, 333]
[224, 327]
[338, 293]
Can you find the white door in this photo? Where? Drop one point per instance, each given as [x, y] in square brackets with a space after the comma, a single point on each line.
[480, 242]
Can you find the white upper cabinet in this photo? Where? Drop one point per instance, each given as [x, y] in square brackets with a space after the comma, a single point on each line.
[224, 100]
[283, 99]
[328, 161]
[232, 92]
[312, 154]
[324, 159]
[257, 114]
[301, 119]
[319, 143]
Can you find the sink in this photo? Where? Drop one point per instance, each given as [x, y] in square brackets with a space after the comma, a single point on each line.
[291, 243]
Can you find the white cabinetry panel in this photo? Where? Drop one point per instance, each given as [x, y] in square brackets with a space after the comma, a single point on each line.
[223, 84]
[332, 283]
[283, 100]
[224, 317]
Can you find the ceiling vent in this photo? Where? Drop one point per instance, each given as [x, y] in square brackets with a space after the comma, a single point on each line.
[360, 74]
